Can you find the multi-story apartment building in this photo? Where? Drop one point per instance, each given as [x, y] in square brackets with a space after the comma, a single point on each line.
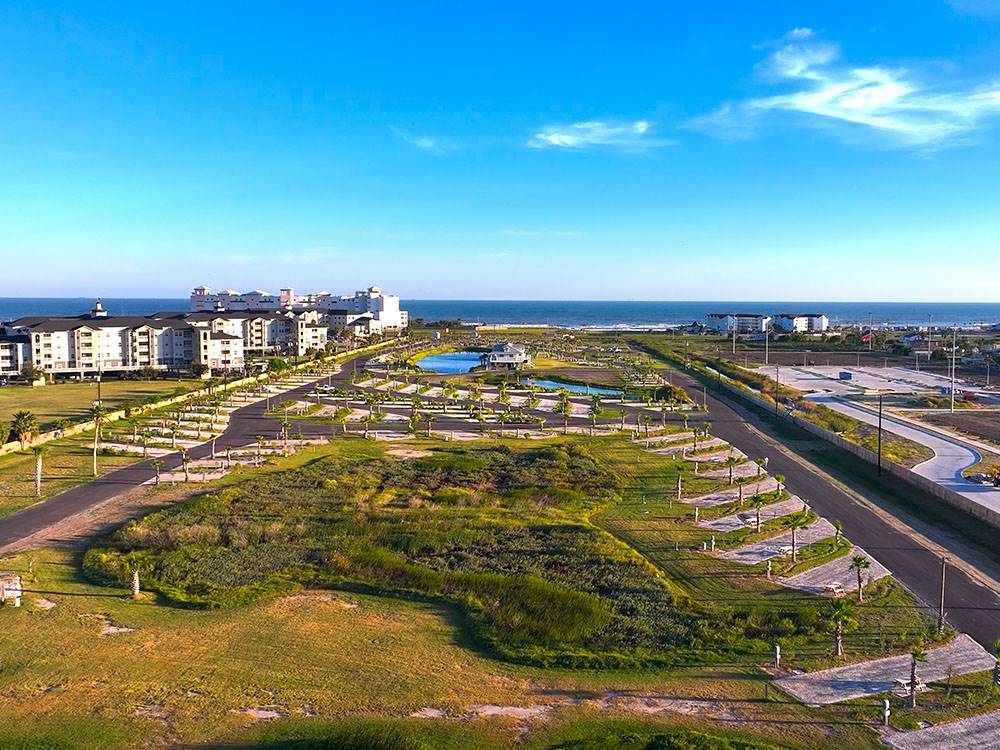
[802, 322]
[382, 310]
[14, 355]
[743, 323]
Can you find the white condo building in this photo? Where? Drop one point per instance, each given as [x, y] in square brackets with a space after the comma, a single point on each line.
[802, 322]
[376, 310]
[749, 323]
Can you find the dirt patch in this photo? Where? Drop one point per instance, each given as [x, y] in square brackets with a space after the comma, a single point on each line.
[109, 626]
[408, 453]
[153, 711]
[984, 425]
[262, 713]
[46, 604]
[430, 713]
[537, 711]
[319, 596]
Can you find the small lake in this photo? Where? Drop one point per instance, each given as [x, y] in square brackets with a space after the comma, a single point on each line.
[450, 363]
[574, 387]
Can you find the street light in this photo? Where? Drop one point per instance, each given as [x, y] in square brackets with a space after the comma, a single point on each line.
[880, 434]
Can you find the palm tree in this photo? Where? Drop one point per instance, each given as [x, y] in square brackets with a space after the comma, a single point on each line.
[97, 414]
[996, 665]
[916, 654]
[757, 502]
[565, 410]
[185, 462]
[794, 522]
[173, 437]
[780, 479]
[157, 464]
[24, 426]
[841, 617]
[646, 422]
[430, 417]
[731, 461]
[859, 564]
[39, 451]
[260, 449]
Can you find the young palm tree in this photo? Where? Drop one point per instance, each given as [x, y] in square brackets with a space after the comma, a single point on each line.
[841, 617]
[260, 449]
[795, 522]
[916, 654]
[157, 465]
[39, 451]
[430, 417]
[97, 414]
[186, 463]
[757, 502]
[996, 665]
[731, 462]
[780, 479]
[859, 564]
[565, 410]
[24, 426]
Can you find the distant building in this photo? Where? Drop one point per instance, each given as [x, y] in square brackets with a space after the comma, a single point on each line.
[506, 357]
[14, 354]
[748, 323]
[802, 322]
[382, 309]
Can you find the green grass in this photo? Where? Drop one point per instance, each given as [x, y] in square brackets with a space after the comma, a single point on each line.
[67, 463]
[70, 401]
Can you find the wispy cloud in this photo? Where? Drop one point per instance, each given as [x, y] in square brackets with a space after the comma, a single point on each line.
[496, 255]
[625, 136]
[424, 142]
[540, 233]
[888, 101]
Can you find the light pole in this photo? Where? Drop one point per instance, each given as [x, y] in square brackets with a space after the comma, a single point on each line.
[767, 332]
[954, 355]
[871, 330]
[880, 434]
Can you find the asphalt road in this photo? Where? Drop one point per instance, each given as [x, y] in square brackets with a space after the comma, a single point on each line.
[969, 606]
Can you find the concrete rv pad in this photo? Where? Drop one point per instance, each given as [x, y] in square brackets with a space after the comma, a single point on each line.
[975, 733]
[873, 677]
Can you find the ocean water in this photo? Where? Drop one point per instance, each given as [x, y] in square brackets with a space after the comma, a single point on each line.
[601, 314]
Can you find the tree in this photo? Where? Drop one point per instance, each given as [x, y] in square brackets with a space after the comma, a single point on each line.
[31, 373]
[859, 564]
[780, 479]
[565, 410]
[757, 502]
[186, 463]
[39, 451]
[4, 434]
[996, 665]
[97, 415]
[841, 617]
[24, 427]
[198, 369]
[157, 465]
[731, 462]
[916, 654]
[430, 417]
[260, 449]
[795, 522]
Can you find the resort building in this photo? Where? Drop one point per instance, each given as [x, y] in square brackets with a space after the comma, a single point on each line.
[506, 357]
[743, 323]
[802, 323]
[14, 355]
[382, 309]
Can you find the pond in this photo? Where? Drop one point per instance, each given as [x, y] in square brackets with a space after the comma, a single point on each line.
[574, 387]
[450, 363]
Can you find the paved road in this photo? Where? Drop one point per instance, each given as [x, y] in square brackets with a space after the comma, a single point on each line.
[244, 425]
[950, 456]
[975, 733]
[970, 606]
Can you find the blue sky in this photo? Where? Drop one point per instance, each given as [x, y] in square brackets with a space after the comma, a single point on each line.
[780, 150]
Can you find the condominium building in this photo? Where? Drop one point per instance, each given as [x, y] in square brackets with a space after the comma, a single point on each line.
[802, 322]
[743, 323]
[383, 309]
[14, 354]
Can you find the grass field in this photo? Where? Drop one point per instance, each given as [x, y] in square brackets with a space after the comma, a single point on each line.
[67, 463]
[70, 401]
[185, 676]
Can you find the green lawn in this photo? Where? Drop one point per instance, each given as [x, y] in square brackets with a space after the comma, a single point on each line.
[70, 401]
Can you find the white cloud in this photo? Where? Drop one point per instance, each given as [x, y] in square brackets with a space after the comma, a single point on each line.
[889, 101]
[424, 142]
[626, 136]
[540, 233]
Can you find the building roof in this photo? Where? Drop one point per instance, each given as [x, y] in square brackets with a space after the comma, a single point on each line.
[221, 336]
[801, 315]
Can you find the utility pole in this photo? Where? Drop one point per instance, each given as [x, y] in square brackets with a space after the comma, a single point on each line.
[777, 389]
[767, 332]
[954, 356]
[871, 330]
[940, 622]
[880, 434]
[734, 338]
